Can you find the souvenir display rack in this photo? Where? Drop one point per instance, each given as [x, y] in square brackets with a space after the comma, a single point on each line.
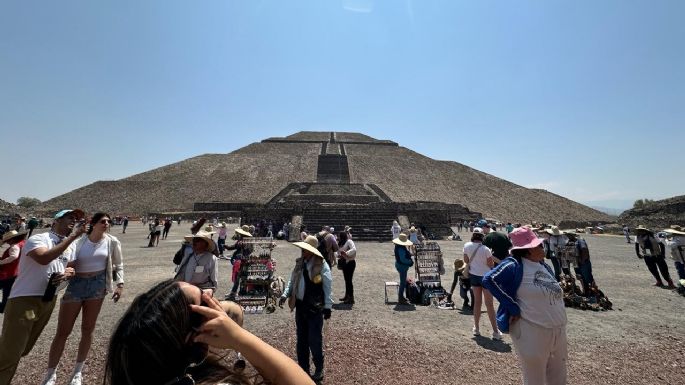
[257, 270]
[428, 261]
[567, 255]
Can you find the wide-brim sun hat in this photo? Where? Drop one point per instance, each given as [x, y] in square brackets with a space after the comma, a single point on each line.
[674, 231]
[310, 244]
[402, 240]
[244, 231]
[12, 234]
[460, 265]
[207, 237]
[524, 238]
[554, 230]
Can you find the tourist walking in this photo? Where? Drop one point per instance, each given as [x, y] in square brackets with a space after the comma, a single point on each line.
[395, 229]
[165, 335]
[309, 293]
[167, 226]
[99, 267]
[626, 233]
[240, 250]
[124, 225]
[346, 254]
[647, 247]
[9, 263]
[675, 244]
[403, 262]
[200, 267]
[480, 261]
[221, 238]
[531, 309]
[497, 242]
[33, 296]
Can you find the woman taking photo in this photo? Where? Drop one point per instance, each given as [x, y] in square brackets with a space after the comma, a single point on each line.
[479, 259]
[98, 265]
[164, 338]
[531, 309]
[403, 262]
[346, 261]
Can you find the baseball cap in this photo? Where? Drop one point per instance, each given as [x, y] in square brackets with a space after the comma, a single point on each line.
[78, 212]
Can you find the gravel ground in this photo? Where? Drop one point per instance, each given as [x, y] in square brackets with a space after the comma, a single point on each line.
[640, 342]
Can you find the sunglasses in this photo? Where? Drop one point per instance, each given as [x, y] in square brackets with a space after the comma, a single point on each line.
[105, 221]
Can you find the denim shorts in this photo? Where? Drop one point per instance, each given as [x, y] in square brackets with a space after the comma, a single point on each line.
[86, 288]
[476, 280]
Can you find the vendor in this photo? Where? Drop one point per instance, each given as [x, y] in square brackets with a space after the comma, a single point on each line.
[403, 262]
[199, 268]
[241, 250]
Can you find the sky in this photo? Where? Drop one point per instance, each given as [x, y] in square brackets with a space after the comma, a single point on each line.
[585, 99]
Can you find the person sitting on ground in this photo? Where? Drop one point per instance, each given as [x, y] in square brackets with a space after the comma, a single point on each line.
[199, 267]
[175, 334]
[403, 262]
[648, 247]
[531, 309]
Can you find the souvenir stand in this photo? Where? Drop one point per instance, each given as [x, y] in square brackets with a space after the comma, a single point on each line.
[428, 264]
[567, 255]
[257, 292]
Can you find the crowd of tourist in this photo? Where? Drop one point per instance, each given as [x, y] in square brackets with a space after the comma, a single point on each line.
[175, 332]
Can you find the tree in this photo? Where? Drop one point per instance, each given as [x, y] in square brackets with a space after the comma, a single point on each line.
[28, 202]
[638, 203]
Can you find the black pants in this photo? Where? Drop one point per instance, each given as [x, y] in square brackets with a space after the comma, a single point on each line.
[5, 286]
[348, 273]
[166, 232]
[309, 337]
[556, 264]
[656, 265]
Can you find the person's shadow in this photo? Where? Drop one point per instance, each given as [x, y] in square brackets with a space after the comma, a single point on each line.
[404, 307]
[490, 344]
[342, 306]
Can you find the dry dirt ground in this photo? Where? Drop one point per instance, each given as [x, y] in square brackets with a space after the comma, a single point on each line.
[640, 342]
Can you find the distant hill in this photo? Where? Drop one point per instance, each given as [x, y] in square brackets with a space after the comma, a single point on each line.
[609, 211]
[258, 172]
[659, 214]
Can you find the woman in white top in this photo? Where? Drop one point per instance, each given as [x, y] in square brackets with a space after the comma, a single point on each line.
[395, 229]
[480, 261]
[346, 255]
[97, 263]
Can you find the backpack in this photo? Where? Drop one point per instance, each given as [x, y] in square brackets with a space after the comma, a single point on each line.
[322, 249]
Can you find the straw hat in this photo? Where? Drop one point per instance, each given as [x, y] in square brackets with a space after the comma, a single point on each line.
[461, 267]
[675, 230]
[244, 230]
[402, 240]
[554, 230]
[310, 244]
[12, 234]
[643, 228]
[206, 236]
[209, 229]
[347, 228]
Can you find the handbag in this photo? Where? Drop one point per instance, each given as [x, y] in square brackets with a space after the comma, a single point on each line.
[341, 263]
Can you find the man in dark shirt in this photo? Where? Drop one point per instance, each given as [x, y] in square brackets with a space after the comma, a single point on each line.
[497, 242]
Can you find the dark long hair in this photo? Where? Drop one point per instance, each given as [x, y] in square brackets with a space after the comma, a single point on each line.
[342, 238]
[150, 343]
[96, 218]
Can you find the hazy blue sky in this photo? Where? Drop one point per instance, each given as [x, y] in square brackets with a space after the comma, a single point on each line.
[583, 98]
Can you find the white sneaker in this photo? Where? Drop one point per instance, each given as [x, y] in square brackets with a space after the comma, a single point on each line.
[51, 380]
[76, 379]
[475, 331]
[497, 336]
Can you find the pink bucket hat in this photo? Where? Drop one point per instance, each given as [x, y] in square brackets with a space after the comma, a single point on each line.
[524, 238]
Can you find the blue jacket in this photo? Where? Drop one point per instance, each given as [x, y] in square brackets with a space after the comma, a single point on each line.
[503, 282]
[402, 258]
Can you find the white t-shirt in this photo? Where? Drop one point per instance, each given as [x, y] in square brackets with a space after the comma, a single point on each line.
[33, 277]
[92, 257]
[478, 264]
[540, 297]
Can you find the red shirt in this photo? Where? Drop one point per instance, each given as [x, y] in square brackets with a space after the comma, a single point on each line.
[11, 269]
